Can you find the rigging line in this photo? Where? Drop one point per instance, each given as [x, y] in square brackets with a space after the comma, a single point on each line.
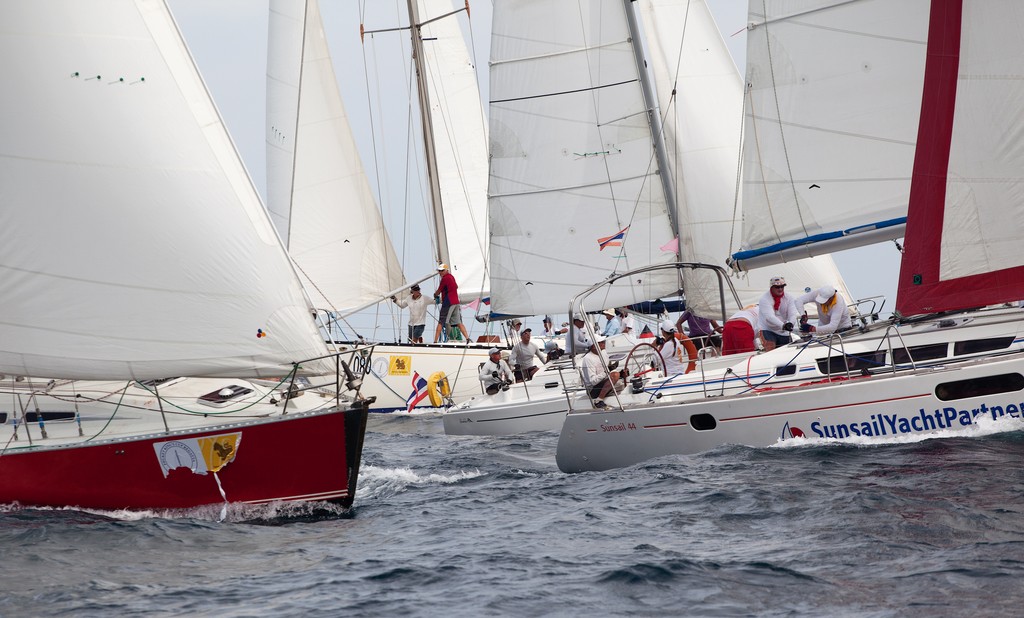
[564, 92]
[737, 183]
[782, 133]
[764, 13]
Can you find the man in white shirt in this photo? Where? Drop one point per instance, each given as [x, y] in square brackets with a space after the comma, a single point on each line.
[417, 306]
[578, 341]
[832, 312]
[776, 315]
[596, 376]
[495, 372]
[626, 320]
[522, 355]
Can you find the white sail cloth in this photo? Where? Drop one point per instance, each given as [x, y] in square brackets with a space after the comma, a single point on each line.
[132, 242]
[574, 193]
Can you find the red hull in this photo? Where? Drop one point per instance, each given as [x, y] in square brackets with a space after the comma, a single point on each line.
[310, 456]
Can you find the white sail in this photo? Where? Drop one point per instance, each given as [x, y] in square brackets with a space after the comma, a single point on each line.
[965, 211]
[700, 94]
[572, 159]
[133, 243]
[460, 143]
[318, 193]
[832, 107]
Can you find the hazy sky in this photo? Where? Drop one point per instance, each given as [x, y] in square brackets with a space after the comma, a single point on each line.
[228, 40]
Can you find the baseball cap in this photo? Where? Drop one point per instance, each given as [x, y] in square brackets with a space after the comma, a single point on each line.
[516, 321]
[824, 294]
[415, 288]
[442, 267]
[668, 326]
[493, 351]
[527, 330]
[778, 281]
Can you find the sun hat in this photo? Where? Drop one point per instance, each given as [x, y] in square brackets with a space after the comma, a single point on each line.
[778, 281]
[824, 294]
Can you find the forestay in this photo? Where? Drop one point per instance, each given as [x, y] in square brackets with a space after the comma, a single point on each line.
[130, 248]
[574, 191]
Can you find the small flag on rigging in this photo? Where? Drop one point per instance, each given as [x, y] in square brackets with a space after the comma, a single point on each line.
[615, 240]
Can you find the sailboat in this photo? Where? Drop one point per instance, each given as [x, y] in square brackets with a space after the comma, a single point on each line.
[699, 95]
[136, 249]
[918, 135]
[322, 203]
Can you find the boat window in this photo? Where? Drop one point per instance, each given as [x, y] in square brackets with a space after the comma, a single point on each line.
[979, 387]
[224, 395]
[785, 370]
[33, 417]
[155, 383]
[920, 353]
[703, 422]
[981, 345]
[3, 418]
[854, 363]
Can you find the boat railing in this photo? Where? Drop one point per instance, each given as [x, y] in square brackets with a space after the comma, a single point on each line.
[348, 376]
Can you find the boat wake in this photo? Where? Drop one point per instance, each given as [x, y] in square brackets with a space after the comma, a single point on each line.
[377, 482]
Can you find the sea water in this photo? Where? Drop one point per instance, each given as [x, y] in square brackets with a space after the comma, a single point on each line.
[474, 526]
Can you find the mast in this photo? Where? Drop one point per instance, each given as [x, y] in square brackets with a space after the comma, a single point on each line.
[428, 136]
[650, 101]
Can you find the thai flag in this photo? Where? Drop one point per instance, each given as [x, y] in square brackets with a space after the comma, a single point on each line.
[615, 240]
[419, 391]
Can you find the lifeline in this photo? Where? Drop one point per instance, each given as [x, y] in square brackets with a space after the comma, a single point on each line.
[885, 424]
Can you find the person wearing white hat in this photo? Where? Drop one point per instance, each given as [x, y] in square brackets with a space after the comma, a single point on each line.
[613, 326]
[832, 312]
[599, 376]
[577, 342]
[671, 351]
[451, 311]
[495, 372]
[776, 315]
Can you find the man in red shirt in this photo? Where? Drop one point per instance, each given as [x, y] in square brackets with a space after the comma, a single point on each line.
[451, 311]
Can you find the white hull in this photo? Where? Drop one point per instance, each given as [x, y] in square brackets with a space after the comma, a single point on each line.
[389, 376]
[876, 405]
[538, 405]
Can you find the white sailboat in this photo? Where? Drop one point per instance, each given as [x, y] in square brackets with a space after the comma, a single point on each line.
[911, 101]
[325, 208]
[700, 95]
[135, 248]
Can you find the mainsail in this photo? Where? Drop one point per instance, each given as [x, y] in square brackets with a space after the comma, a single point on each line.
[700, 94]
[575, 193]
[832, 105]
[130, 248]
[459, 135]
[318, 193]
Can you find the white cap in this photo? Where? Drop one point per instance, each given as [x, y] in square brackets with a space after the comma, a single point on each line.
[668, 326]
[824, 294]
[442, 267]
[493, 351]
